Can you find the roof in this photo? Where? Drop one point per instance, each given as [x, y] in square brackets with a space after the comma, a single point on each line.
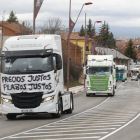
[73, 36]
[136, 41]
[121, 43]
[108, 51]
[15, 27]
[72, 43]
[33, 42]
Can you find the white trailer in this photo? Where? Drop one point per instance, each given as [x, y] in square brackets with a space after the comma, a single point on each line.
[32, 77]
[100, 75]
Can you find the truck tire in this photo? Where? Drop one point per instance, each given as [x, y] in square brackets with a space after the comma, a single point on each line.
[113, 92]
[87, 95]
[59, 112]
[11, 116]
[69, 111]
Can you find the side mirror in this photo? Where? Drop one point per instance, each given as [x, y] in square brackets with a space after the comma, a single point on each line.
[58, 62]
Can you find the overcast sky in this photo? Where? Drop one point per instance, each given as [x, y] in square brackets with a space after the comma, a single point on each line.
[123, 16]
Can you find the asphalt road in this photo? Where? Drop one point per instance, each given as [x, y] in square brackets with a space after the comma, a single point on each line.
[102, 117]
[24, 123]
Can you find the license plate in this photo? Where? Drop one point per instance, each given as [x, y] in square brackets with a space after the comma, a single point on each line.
[27, 110]
[98, 92]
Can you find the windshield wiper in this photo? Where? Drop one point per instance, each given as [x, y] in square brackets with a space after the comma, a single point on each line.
[36, 70]
[15, 70]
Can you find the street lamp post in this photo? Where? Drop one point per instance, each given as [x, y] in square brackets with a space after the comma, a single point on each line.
[86, 40]
[93, 46]
[71, 26]
[37, 6]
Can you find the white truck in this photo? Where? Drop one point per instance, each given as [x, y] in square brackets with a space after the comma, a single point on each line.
[32, 77]
[100, 75]
[135, 74]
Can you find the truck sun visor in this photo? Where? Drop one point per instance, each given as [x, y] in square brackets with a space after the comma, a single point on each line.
[27, 52]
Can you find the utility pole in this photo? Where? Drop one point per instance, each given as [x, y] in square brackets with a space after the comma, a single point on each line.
[37, 6]
[1, 29]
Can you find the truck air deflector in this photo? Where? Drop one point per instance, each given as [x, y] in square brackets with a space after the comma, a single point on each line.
[24, 53]
[28, 37]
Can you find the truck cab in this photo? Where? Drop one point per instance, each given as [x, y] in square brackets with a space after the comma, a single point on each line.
[32, 77]
[135, 74]
[100, 75]
[121, 73]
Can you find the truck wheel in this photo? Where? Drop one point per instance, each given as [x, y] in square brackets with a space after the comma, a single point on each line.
[11, 116]
[87, 95]
[69, 111]
[113, 92]
[59, 112]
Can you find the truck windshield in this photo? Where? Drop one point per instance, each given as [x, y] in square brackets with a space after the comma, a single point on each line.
[18, 65]
[99, 71]
[120, 70]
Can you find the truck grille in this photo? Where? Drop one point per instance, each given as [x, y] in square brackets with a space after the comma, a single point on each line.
[119, 76]
[27, 100]
[99, 83]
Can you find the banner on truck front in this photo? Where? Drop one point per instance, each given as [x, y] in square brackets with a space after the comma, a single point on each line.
[27, 83]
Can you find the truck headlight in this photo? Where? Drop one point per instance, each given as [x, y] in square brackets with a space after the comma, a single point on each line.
[48, 92]
[48, 99]
[109, 88]
[6, 100]
[88, 88]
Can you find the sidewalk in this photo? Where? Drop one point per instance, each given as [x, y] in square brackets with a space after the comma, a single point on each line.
[76, 89]
[73, 89]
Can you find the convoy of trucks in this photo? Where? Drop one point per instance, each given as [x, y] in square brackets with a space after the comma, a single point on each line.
[32, 77]
[100, 75]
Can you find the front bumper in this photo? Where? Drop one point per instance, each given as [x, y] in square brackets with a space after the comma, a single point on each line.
[120, 79]
[98, 92]
[89, 91]
[45, 107]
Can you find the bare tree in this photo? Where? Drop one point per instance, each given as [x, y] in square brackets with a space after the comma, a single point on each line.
[25, 27]
[51, 26]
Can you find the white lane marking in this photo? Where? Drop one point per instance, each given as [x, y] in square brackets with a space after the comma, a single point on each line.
[104, 129]
[59, 120]
[94, 137]
[120, 128]
[69, 134]
[55, 129]
[63, 119]
[94, 122]
[100, 118]
[80, 125]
